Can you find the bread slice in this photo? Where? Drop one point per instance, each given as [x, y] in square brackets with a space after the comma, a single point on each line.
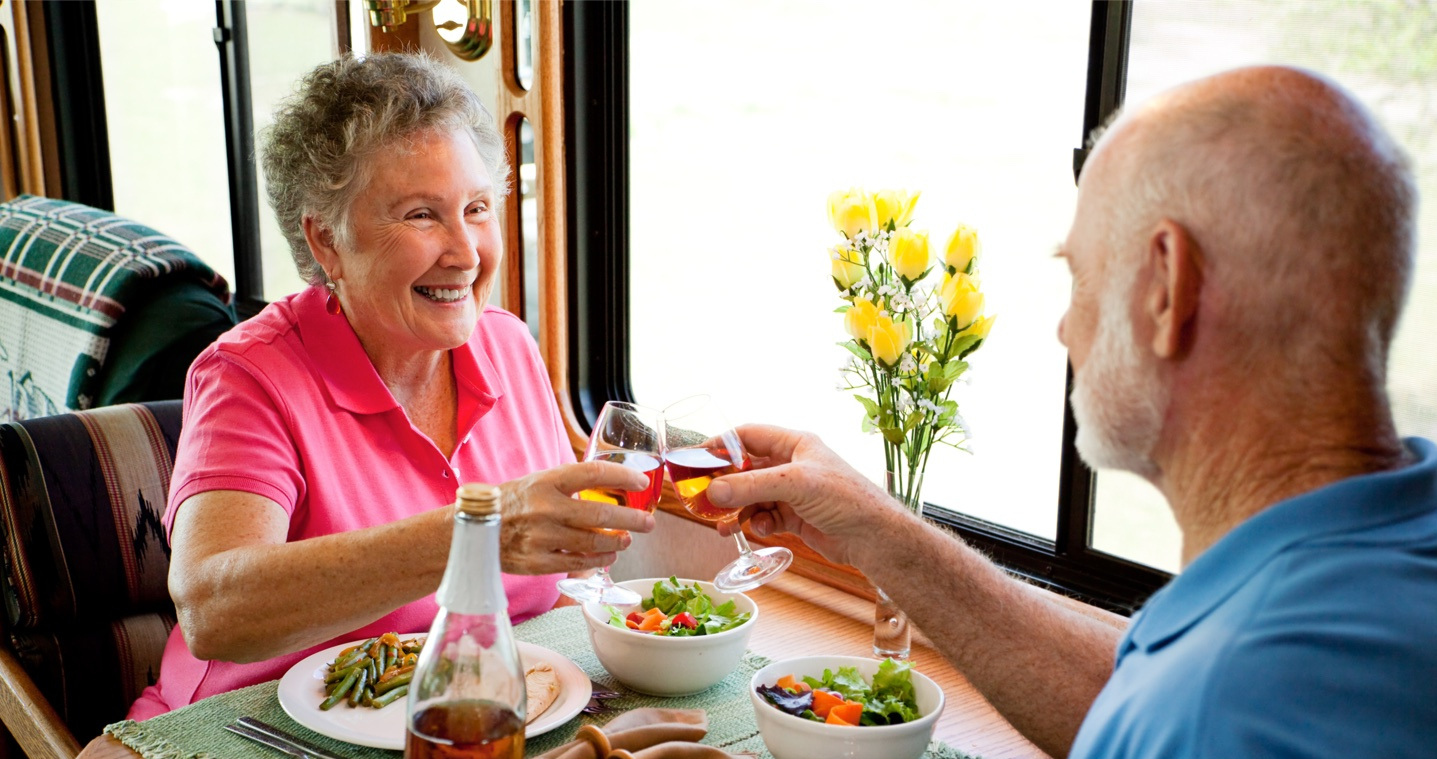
[542, 683]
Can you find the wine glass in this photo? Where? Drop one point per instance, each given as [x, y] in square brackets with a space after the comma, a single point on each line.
[631, 435]
[699, 446]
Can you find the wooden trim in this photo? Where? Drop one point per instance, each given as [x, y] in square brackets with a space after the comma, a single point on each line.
[28, 73]
[30, 718]
[543, 106]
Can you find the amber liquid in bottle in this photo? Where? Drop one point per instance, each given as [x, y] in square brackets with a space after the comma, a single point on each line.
[467, 697]
[470, 729]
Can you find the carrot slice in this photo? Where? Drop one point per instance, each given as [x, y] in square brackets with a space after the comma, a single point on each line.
[787, 682]
[846, 713]
[651, 622]
[823, 701]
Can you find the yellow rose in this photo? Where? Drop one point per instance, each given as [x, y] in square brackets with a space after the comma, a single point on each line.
[895, 206]
[979, 328]
[963, 247]
[962, 301]
[888, 339]
[908, 251]
[847, 267]
[852, 211]
[860, 318]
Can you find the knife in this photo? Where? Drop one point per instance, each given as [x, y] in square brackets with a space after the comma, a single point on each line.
[271, 731]
[274, 743]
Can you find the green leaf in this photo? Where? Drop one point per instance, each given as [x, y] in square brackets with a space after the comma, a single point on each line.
[954, 369]
[971, 348]
[842, 309]
[914, 418]
[858, 350]
[870, 408]
[893, 435]
[961, 345]
[616, 618]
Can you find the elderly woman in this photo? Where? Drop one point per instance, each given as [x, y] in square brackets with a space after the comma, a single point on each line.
[324, 437]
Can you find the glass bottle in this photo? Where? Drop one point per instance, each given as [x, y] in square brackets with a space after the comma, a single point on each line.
[467, 697]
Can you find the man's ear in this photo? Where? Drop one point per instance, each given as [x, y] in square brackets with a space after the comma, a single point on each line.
[321, 245]
[1175, 261]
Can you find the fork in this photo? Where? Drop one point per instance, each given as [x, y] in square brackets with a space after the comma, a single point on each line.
[601, 692]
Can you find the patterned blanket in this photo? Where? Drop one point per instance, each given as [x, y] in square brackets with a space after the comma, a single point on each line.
[69, 274]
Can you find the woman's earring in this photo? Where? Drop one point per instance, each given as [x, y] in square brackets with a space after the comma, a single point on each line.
[331, 304]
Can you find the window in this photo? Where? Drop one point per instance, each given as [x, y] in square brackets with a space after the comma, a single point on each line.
[1382, 52]
[165, 120]
[286, 40]
[740, 130]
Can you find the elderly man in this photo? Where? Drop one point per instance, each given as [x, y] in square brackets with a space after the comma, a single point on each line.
[1240, 252]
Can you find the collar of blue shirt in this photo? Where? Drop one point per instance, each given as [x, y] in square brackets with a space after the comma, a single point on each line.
[1348, 506]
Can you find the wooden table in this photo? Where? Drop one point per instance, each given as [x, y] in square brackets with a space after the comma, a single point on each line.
[800, 617]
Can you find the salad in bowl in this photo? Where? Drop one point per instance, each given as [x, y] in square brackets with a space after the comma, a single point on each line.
[684, 637]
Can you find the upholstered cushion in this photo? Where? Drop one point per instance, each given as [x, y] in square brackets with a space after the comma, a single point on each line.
[72, 278]
[85, 559]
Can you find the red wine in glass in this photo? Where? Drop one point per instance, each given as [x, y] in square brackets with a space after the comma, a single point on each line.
[632, 436]
[643, 500]
[701, 445]
[693, 469]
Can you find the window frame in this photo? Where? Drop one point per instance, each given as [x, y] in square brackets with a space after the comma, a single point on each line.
[596, 137]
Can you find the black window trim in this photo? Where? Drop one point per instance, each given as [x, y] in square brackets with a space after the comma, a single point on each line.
[596, 137]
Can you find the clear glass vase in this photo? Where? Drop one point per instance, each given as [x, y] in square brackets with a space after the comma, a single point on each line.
[892, 637]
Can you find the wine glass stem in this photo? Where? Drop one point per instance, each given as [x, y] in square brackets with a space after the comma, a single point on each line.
[743, 548]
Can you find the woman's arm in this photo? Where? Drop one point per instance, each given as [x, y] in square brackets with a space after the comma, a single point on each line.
[242, 593]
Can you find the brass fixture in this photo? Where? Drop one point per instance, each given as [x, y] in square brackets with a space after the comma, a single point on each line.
[468, 39]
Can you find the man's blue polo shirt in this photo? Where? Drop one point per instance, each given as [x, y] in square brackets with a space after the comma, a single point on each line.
[1310, 630]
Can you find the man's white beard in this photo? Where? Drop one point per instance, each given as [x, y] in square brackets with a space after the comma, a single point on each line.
[1118, 398]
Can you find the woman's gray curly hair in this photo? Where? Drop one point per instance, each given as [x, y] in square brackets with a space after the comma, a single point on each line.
[317, 153]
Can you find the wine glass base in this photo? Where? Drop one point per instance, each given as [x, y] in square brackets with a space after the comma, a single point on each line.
[754, 569]
[604, 593]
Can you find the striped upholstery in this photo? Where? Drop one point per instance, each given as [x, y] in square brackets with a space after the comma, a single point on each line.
[86, 602]
[75, 283]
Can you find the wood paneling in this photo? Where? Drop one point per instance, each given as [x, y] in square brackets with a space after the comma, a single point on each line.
[28, 134]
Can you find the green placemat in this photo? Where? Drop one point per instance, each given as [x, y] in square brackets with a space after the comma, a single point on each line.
[197, 730]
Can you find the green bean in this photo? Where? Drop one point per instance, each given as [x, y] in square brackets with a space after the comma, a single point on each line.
[344, 687]
[402, 678]
[386, 699]
[358, 691]
[335, 675]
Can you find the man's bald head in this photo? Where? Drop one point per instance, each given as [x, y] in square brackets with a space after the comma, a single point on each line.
[1302, 206]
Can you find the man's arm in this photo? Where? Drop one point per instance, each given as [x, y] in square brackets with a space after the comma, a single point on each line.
[1038, 662]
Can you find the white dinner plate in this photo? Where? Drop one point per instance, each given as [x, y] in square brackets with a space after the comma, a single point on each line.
[302, 689]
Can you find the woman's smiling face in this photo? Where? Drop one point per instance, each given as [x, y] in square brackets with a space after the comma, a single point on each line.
[425, 247]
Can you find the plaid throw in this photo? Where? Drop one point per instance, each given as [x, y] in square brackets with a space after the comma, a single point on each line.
[68, 273]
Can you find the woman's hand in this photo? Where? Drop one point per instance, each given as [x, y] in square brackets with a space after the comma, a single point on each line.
[545, 530]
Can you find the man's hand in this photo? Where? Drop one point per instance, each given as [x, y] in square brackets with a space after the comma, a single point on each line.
[798, 485]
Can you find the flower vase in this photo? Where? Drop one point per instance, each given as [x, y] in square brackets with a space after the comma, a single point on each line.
[891, 634]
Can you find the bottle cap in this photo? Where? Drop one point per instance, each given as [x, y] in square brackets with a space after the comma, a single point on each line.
[478, 500]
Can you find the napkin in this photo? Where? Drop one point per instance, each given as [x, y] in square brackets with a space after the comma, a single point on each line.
[647, 733]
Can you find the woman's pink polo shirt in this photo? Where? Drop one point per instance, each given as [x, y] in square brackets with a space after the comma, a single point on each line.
[288, 406]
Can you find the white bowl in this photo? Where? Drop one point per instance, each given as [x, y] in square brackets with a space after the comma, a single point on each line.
[790, 737]
[662, 666]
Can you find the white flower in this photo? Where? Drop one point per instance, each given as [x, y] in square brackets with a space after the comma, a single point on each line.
[907, 364]
[928, 406]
